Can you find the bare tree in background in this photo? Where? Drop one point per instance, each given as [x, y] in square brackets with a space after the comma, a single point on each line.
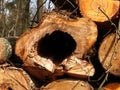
[14, 17]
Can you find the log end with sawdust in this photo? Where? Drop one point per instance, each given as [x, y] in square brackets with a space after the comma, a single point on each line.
[98, 9]
[109, 54]
[48, 49]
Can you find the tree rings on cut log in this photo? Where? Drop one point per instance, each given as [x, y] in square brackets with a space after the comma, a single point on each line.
[5, 50]
[12, 78]
[68, 84]
[43, 48]
[109, 52]
[92, 9]
[112, 86]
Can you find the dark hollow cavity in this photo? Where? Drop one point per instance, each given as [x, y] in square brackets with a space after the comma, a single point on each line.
[56, 46]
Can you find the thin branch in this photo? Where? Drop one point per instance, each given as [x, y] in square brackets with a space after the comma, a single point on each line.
[70, 3]
[105, 79]
[114, 52]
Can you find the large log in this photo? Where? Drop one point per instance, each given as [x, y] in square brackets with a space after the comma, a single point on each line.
[91, 9]
[44, 48]
[109, 53]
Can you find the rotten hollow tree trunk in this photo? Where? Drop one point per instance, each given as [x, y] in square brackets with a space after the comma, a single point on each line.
[92, 9]
[57, 46]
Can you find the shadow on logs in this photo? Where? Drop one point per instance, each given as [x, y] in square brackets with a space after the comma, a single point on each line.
[57, 46]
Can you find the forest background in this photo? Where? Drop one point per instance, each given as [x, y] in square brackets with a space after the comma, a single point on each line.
[16, 16]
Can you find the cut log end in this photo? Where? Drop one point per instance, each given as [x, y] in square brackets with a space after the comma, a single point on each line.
[68, 84]
[98, 9]
[112, 86]
[5, 50]
[12, 78]
[109, 54]
[55, 39]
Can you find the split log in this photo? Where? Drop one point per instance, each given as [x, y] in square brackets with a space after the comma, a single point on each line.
[91, 9]
[112, 86]
[5, 50]
[44, 48]
[68, 84]
[109, 53]
[12, 78]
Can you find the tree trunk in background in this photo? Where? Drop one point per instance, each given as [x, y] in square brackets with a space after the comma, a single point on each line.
[40, 9]
[22, 20]
[2, 18]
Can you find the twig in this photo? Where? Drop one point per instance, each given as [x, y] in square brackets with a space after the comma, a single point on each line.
[70, 3]
[115, 48]
[105, 79]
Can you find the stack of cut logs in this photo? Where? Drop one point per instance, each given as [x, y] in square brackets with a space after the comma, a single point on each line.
[57, 48]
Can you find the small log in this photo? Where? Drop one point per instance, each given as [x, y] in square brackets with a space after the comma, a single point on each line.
[110, 54]
[12, 78]
[91, 9]
[112, 86]
[43, 48]
[5, 50]
[68, 84]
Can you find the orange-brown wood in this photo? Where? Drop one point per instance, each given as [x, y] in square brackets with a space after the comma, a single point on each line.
[80, 32]
[91, 9]
[12, 78]
[109, 52]
[112, 86]
[68, 84]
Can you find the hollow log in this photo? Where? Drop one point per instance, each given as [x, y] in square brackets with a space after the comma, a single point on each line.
[112, 86]
[92, 9]
[5, 50]
[12, 78]
[109, 54]
[44, 48]
[68, 84]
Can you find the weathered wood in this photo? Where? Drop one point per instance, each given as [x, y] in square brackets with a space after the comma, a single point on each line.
[91, 9]
[12, 78]
[58, 37]
[68, 84]
[109, 53]
[5, 50]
